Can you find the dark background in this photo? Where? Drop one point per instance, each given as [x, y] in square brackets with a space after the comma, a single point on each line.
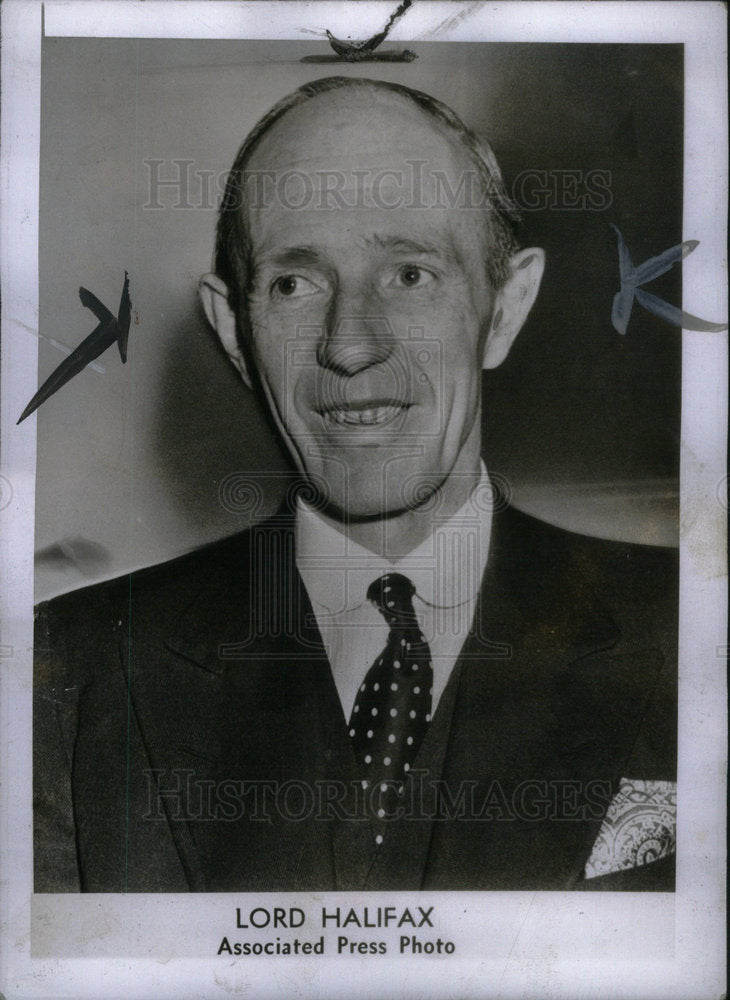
[137, 463]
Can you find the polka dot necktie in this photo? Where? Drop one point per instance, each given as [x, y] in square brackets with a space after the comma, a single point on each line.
[392, 709]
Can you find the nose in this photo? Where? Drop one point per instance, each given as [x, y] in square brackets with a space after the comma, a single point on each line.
[357, 335]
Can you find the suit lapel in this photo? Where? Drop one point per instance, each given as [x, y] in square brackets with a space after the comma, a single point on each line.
[234, 710]
[544, 720]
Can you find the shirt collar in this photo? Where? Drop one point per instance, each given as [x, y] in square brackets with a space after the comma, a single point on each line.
[446, 568]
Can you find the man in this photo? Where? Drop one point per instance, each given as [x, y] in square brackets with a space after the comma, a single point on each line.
[399, 682]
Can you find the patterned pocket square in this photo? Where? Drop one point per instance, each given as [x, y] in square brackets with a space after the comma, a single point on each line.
[639, 826]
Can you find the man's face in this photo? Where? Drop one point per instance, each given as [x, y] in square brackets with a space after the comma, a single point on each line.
[368, 321]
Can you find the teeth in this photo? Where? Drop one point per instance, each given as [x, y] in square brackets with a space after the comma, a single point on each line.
[370, 417]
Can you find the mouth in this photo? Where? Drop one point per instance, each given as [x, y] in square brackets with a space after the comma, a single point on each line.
[370, 413]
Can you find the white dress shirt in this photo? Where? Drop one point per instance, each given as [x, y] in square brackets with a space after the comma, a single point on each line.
[446, 570]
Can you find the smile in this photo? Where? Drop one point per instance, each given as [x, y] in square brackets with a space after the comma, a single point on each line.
[368, 416]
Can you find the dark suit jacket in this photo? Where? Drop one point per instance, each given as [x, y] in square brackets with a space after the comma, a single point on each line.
[189, 736]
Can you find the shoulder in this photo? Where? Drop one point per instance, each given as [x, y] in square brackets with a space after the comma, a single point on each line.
[152, 595]
[531, 533]
[637, 585]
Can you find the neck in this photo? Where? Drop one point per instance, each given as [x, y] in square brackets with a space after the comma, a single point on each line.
[393, 536]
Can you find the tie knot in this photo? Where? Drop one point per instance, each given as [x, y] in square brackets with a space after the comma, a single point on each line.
[392, 595]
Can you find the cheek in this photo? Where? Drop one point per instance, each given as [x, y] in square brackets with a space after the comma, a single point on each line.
[461, 339]
[284, 343]
[270, 340]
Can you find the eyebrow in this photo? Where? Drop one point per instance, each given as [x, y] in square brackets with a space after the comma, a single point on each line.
[402, 244]
[309, 256]
[304, 256]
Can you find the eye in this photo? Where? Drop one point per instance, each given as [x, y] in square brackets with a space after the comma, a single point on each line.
[293, 286]
[412, 276]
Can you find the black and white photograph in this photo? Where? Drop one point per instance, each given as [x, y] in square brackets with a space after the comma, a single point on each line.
[364, 498]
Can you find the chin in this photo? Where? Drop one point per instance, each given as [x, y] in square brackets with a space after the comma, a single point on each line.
[358, 493]
[359, 508]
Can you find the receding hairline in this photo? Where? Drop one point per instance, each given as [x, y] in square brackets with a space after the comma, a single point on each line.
[357, 90]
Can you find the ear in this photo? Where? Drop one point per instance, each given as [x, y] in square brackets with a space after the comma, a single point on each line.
[214, 299]
[512, 303]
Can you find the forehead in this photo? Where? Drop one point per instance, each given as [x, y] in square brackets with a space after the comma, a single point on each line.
[353, 125]
[359, 160]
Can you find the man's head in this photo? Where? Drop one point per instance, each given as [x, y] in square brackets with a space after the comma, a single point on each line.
[366, 272]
